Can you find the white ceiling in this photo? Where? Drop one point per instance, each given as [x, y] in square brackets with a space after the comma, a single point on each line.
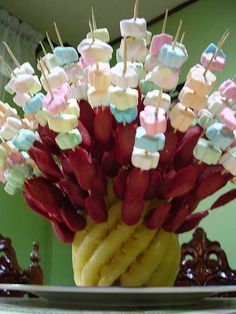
[72, 16]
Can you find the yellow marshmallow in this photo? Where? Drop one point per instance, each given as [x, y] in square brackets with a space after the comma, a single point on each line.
[123, 99]
[99, 76]
[72, 108]
[181, 117]
[62, 123]
[200, 83]
[191, 99]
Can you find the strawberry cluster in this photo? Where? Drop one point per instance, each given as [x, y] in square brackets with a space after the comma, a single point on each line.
[74, 182]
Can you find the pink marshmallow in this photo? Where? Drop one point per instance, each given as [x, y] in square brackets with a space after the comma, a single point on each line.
[153, 122]
[16, 158]
[228, 117]
[58, 103]
[158, 41]
[228, 89]
[217, 64]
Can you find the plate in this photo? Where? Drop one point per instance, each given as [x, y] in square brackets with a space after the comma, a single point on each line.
[119, 297]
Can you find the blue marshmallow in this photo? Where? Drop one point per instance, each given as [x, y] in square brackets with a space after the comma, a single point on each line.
[173, 58]
[127, 115]
[66, 55]
[220, 135]
[35, 104]
[212, 48]
[24, 140]
[150, 144]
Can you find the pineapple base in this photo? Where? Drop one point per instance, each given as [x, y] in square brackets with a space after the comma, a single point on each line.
[115, 254]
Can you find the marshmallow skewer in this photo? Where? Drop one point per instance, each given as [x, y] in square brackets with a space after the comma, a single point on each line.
[11, 54]
[58, 34]
[136, 9]
[220, 45]
[43, 48]
[49, 41]
[93, 19]
[177, 34]
[46, 80]
[164, 22]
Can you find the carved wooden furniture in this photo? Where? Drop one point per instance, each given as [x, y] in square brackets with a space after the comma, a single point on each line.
[204, 263]
[11, 272]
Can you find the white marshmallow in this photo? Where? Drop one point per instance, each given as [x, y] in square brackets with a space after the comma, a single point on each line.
[133, 27]
[74, 72]
[10, 128]
[26, 83]
[228, 160]
[136, 49]
[143, 160]
[25, 68]
[79, 91]
[95, 51]
[124, 80]
[98, 98]
[215, 103]
[21, 99]
[56, 78]
[152, 99]
[150, 62]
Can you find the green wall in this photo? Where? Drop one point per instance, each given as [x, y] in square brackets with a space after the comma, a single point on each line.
[204, 22]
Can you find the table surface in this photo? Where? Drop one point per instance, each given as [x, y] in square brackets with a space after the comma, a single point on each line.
[26, 305]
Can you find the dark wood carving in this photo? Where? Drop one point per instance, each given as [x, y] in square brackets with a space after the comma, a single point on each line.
[10, 270]
[204, 263]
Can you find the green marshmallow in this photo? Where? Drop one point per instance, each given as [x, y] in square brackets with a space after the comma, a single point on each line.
[16, 177]
[206, 152]
[147, 86]
[69, 140]
[101, 34]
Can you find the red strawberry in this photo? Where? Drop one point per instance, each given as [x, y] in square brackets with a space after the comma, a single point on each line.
[44, 194]
[176, 218]
[86, 139]
[137, 183]
[131, 211]
[210, 185]
[119, 183]
[74, 221]
[153, 185]
[48, 138]
[35, 208]
[74, 192]
[192, 221]
[157, 216]
[124, 143]
[184, 153]
[83, 167]
[45, 163]
[109, 164]
[87, 115]
[99, 183]
[167, 154]
[183, 181]
[96, 207]
[224, 199]
[62, 232]
[103, 127]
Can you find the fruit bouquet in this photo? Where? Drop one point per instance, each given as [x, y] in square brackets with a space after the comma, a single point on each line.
[104, 156]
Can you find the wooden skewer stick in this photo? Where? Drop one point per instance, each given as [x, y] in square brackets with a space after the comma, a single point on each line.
[182, 38]
[46, 66]
[219, 46]
[234, 78]
[50, 42]
[91, 31]
[93, 19]
[164, 22]
[177, 33]
[136, 9]
[43, 48]
[58, 34]
[45, 77]
[11, 54]
[125, 56]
